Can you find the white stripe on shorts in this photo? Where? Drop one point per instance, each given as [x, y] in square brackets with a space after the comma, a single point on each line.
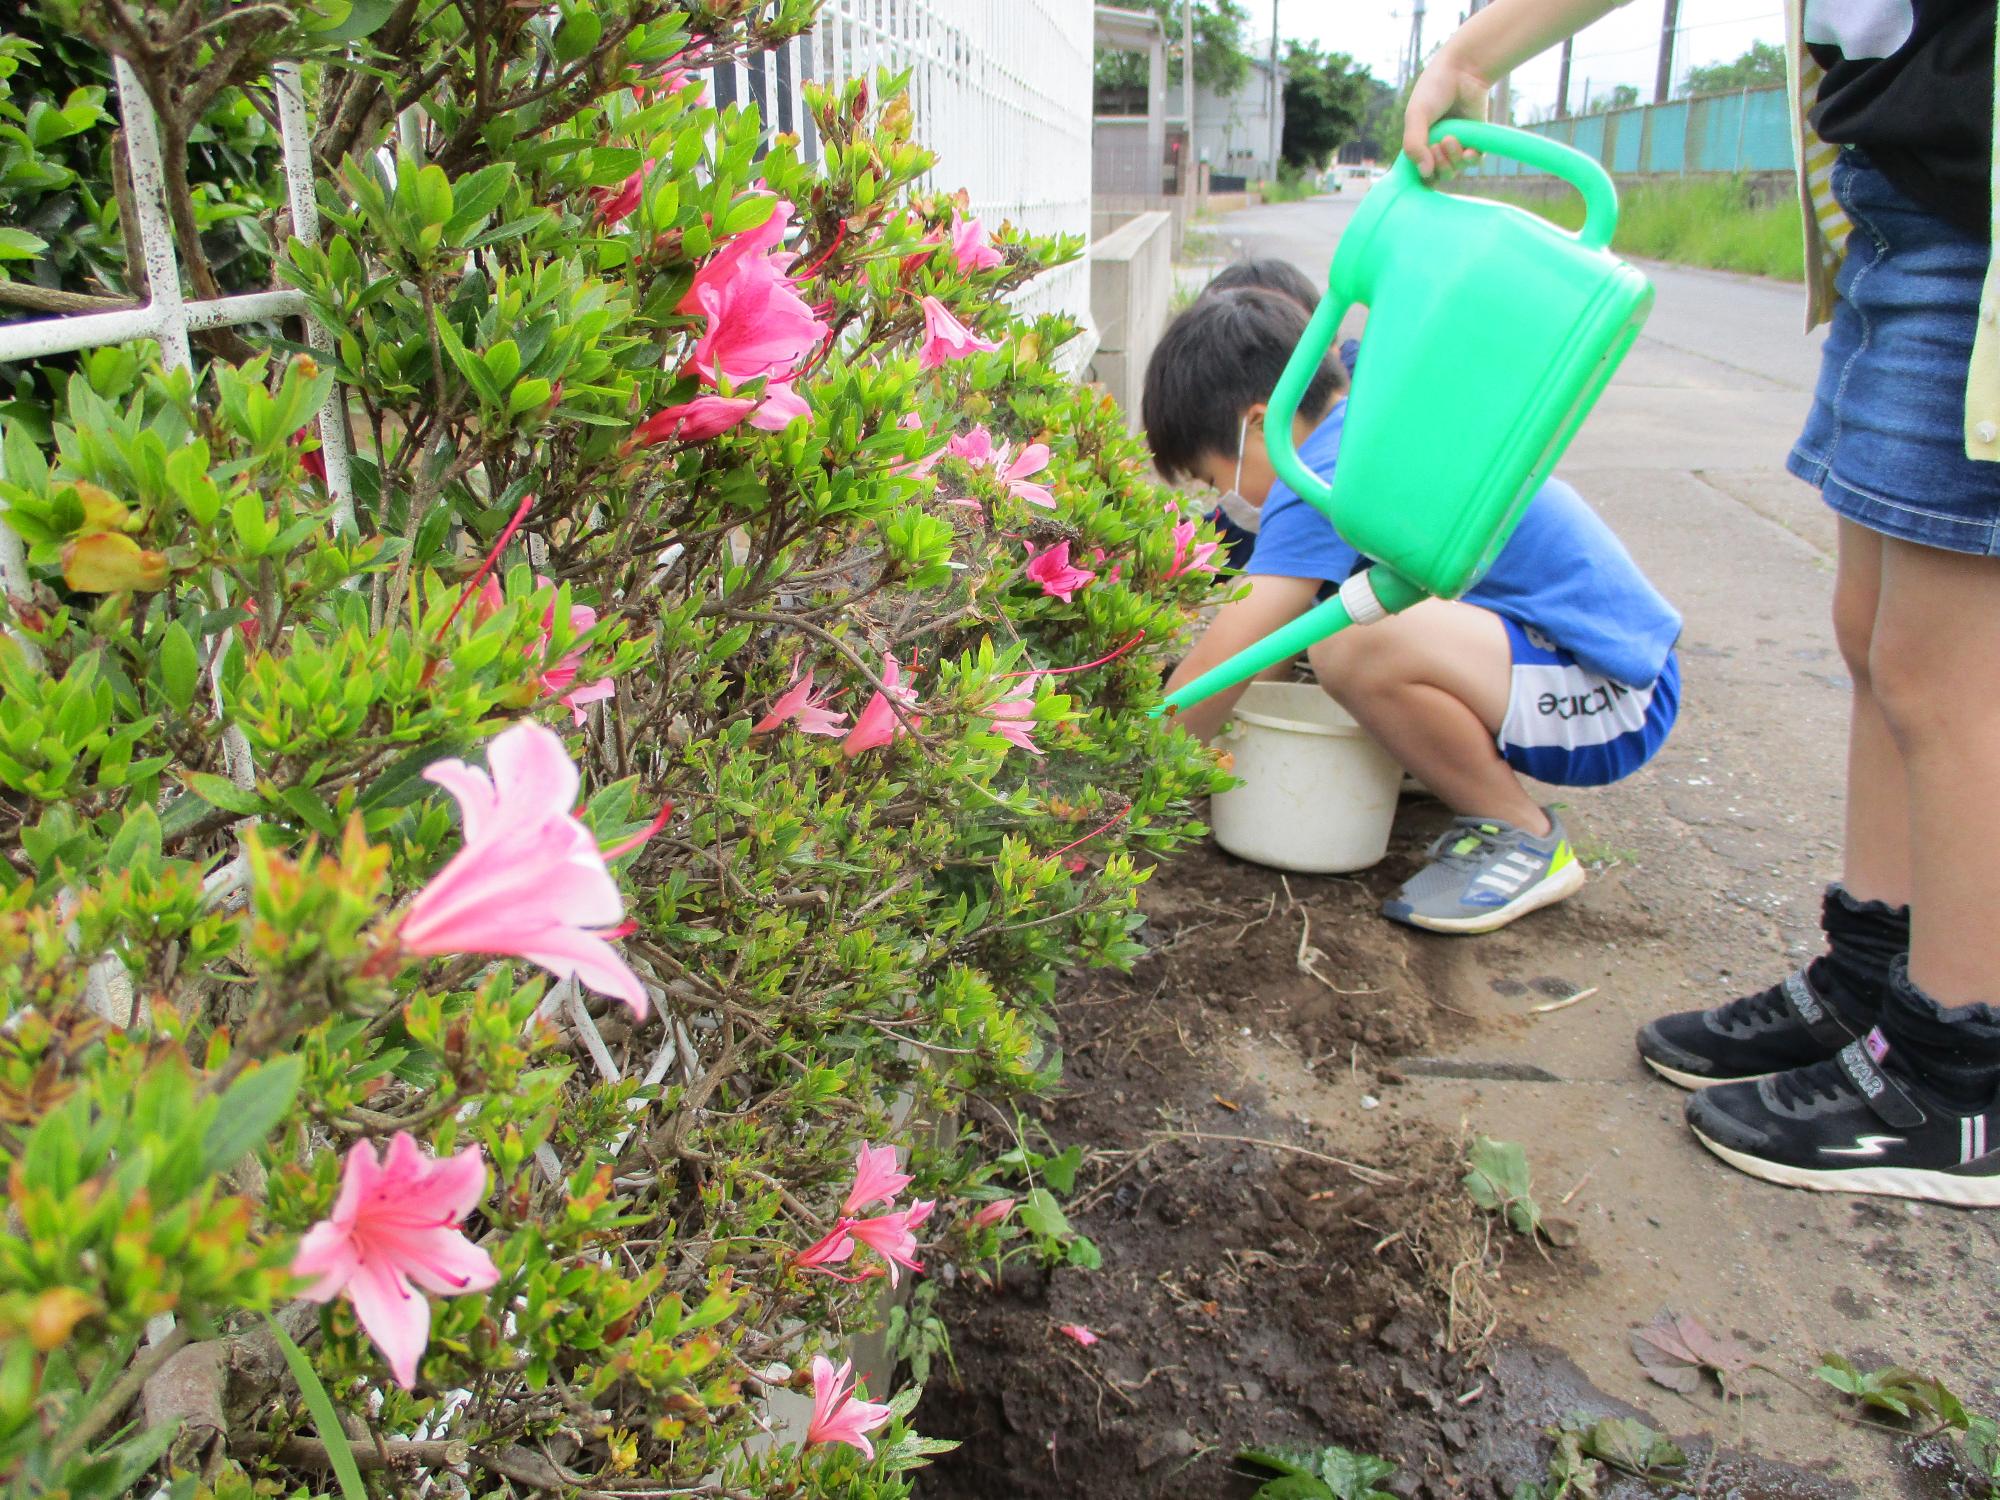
[1570, 706]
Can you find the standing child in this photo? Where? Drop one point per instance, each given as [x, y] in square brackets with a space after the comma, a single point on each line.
[1558, 664]
[1875, 1069]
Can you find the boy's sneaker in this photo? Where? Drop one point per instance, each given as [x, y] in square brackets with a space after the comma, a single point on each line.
[1806, 1019]
[1856, 1123]
[1483, 874]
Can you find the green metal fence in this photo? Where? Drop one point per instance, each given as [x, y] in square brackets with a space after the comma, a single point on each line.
[1745, 131]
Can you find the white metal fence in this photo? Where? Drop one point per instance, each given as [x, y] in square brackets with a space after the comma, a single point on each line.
[1000, 90]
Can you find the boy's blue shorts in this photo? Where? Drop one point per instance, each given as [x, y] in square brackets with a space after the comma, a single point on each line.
[1570, 726]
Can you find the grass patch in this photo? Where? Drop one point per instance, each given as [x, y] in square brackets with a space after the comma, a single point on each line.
[1291, 187]
[1704, 222]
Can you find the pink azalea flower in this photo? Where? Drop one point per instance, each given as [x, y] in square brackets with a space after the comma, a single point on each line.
[1013, 719]
[395, 1229]
[558, 680]
[616, 205]
[530, 881]
[1058, 576]
[994, 1213]
[1078, 1332]
[1199, 560]
[671, 80]
[920, 467]
[876, 1179]
[780, 407]
[755, 249]
[797, 702]
[893, 1235]
[975, 447]
[692, 421]
[757, 326]
[1097, 554]
[1015, 474]
[946, 339]
[878, 724]
[969, 247]
[840, 1416]
[830, 1249]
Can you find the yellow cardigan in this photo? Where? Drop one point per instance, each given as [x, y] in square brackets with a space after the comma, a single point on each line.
[1826, 230]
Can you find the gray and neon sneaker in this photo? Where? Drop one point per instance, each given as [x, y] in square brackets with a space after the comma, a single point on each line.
[1483, 874]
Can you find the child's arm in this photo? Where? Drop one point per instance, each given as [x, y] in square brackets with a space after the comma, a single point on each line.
[1502, 36]
[1271, 603]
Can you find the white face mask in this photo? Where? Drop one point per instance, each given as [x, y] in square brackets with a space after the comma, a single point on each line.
[1234, 506]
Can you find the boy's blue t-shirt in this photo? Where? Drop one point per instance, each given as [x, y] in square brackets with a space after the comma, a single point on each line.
[1563, 572]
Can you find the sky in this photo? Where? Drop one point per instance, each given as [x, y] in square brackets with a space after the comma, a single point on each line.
[1621, 48]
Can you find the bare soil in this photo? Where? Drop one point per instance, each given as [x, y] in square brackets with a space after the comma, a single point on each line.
[1272, 1275]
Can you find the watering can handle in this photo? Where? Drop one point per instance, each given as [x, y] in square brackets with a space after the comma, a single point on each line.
[1600, 198]
[1600, 220]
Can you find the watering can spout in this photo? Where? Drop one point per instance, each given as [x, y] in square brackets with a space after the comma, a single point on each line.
[1515, 323]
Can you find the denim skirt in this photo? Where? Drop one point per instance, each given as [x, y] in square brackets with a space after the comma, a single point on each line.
[1885, 441]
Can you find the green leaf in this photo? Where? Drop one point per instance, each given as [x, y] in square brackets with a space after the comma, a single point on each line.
[1040, 1214]
[1499, 1182]
[180, 666]
[251, 1110]
[339, 1453]
[137, 841]
[18, 244]
[363, 18]
[220, 791]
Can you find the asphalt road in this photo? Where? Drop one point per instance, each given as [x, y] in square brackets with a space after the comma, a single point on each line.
[1706, 874]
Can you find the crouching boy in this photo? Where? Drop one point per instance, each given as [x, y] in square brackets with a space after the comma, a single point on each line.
[1558, 664]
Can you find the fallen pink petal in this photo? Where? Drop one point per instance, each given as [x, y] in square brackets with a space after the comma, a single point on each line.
[839, 1415]
[393, 1234]
[530, 881]
[1078, 1332]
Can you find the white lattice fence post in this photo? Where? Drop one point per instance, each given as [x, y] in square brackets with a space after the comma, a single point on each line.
[167, 317]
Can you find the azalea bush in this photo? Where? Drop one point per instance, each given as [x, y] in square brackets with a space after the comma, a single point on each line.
[497, 978]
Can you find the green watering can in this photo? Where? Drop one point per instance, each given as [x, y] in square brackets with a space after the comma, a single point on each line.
[1490, 333]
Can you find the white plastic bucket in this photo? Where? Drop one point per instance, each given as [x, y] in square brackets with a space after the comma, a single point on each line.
[1318, 794]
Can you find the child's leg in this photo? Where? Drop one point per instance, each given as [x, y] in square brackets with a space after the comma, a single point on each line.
[1934, 670]
[1877, 862]
[1431, 685]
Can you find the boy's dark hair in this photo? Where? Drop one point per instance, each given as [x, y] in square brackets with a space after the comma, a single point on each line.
[1279, 276]
[1217, 360]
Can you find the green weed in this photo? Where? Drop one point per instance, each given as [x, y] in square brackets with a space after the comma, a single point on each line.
[1708, 222]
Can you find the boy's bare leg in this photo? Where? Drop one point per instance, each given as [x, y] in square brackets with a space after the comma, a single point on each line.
[1934, 670]
[1877, 862]
[1431, 685]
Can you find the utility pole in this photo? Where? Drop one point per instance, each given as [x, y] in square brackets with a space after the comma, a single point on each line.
[1277, 93]
[1190, 158]
[1416, 59]
[1562, 80]
[1663, 81]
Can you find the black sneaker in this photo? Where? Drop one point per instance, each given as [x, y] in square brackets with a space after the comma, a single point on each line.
[1787, 1026]
[1856, 1123]
[1806, 1019]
